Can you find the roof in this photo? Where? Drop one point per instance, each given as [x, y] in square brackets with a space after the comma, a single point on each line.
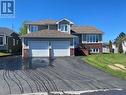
[48, 34]
[48, 21]
[105, 44]
[86, 29]
[6, 31]
[43, 22]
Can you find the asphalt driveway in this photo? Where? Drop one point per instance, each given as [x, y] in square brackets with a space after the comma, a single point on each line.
[66, 74]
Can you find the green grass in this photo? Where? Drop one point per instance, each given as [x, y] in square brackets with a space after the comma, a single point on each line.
[4, 54]
[101, 61]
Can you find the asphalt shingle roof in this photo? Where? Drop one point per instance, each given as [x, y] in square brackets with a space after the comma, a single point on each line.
[43, 22]
[86, 30]
[6, 31]
[48, 34]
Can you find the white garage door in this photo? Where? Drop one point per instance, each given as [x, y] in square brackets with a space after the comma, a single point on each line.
[61, 48]
[38, 48]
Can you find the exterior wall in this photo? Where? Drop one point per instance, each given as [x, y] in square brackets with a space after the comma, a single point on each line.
[50, 27]
[42, 27]
[25, 53]
[53, 27]
[95, 45]
[72, 52]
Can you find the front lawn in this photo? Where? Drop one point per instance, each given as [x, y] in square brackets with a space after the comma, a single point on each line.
[3, 54]
[114, 64]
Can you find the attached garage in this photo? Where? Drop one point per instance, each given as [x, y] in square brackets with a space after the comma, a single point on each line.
[38, 44]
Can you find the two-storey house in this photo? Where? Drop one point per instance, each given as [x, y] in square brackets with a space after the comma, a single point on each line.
[61, 36]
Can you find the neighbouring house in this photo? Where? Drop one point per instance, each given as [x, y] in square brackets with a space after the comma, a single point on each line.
[9, 41]
[62, 36]
[124, 45]
[115, 48]
[105, 48]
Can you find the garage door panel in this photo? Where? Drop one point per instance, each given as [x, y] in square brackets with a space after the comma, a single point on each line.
[61, 48]
[38, 48]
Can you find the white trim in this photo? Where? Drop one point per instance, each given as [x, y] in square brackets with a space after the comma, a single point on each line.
[48, 27]
[85, 42]
[28, 29]
[82, 38]
[58, 27]
[23, 45]
[64, 19]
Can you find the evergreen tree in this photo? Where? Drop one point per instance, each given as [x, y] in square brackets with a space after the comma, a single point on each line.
[119, 38]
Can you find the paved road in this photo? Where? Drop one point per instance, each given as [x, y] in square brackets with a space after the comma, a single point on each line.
[66, 74]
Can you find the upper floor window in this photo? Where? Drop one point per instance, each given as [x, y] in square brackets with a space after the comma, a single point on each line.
[63, 27]
[92, 38]
[33, 28]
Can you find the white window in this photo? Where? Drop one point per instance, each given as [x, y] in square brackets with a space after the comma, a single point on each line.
[1, 40]
[94, 50]
[92, 38]
[63, 27]
[13, 42]
[33, 28]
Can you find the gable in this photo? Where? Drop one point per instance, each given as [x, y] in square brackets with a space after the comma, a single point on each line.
[64, 21]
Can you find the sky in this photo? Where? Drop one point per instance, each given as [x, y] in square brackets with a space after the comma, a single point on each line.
[107, 15]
